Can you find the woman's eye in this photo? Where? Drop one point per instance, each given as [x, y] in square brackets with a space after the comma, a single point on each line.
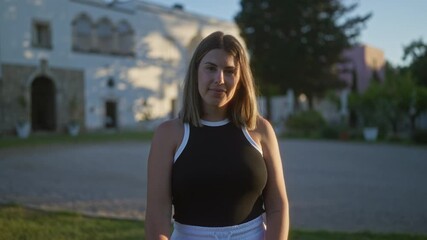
[211, 68]
[229, 72]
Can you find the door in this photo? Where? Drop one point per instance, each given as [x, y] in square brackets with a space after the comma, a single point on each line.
[43, 104]
[110, 114]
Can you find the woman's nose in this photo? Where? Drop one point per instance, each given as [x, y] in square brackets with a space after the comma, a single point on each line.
[219, 78]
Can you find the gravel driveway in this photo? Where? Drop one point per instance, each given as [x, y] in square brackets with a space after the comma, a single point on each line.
[331, 185]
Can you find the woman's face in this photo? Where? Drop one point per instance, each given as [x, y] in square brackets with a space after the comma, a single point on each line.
[218, 78]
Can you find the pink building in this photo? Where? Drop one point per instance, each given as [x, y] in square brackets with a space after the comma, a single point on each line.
[364, 64]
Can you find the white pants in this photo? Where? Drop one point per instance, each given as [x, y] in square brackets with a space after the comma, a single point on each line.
[252, 230]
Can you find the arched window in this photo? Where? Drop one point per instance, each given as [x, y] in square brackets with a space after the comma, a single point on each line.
[125, 42]
[82, 33]
[104, 36]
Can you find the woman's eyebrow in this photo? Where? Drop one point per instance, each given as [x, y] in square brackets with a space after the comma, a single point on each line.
[230, 67]
[210, 63]
[213, 64]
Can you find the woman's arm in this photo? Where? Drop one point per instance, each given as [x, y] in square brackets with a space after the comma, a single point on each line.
[159, 199]
[275, 197]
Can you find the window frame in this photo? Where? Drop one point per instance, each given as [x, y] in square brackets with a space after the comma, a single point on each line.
[41, 34]
[76, 35]
[104, 44]
[124, 37]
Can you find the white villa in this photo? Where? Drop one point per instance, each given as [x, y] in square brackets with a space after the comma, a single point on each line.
[113, 64]
[104, 65]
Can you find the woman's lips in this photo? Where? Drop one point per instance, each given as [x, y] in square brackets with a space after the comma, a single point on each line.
[220, 90]
[217, 92]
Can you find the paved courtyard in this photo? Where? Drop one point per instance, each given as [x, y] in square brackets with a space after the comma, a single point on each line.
[331, 185]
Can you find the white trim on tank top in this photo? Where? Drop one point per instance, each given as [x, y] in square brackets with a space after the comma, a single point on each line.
[184, 141]
[251, 140]
[212, 124]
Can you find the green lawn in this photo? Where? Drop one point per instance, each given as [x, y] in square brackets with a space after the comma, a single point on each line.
[323, 235]
[19, 223]
[56, 138]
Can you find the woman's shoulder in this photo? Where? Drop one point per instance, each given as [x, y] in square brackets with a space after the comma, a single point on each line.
[170, 125]
[263, 126]
[170, 129]
[267, 138]
[262, 131]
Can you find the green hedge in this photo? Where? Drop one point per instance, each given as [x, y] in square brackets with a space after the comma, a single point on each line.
[420, 137]
[306, 123]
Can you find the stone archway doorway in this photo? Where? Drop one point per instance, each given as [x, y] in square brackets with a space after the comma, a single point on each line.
[43, 104]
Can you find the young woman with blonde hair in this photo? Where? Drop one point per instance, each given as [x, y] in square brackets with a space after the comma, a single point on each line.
[217, 167]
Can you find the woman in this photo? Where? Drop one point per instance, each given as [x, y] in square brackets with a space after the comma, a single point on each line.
[219, 163]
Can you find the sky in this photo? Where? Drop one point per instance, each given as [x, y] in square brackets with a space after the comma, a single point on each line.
[394, 24]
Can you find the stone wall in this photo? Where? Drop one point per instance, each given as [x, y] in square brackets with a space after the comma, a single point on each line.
[15, 88]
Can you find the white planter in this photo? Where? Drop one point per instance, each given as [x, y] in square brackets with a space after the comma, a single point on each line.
[23, 129]
[370, 133]
[73, 129]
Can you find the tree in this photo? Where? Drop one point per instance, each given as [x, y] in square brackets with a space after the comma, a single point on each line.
[417, 51]
[398, 99]
[294, 44]
[367, 105]
[395, 97]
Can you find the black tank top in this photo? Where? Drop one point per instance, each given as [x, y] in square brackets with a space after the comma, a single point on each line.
[218, 176]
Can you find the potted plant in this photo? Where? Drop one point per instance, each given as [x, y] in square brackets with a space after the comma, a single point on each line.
[367, 106]
[145, 113]
[73, 126]
[23, 125]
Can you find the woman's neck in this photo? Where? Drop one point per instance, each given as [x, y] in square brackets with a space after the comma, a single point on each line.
[214, 114]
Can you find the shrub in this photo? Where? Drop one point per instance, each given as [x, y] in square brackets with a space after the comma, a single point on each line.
[330, 132]
[306, 122]
[420, 136]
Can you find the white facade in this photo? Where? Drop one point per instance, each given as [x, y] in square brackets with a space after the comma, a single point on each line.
[144, 83]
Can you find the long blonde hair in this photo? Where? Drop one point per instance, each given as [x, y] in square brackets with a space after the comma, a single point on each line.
[242, 110]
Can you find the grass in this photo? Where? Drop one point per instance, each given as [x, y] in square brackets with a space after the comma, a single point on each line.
[19, 223]
[324, 235]
[56, 138]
